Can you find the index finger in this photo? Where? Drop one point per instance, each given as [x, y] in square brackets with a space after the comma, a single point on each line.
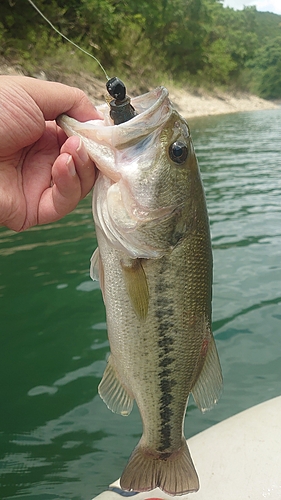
[55, 98]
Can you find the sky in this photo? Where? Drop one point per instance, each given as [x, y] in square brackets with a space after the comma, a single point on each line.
[261, 5]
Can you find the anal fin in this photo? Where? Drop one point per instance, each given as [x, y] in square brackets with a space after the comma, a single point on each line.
[208, 387]
[113, 393]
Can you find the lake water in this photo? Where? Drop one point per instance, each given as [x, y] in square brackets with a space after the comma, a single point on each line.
[57, 438]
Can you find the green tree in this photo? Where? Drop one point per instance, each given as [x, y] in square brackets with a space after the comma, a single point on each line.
[230, 42]
[25, 30]
[195, 40]
[266, 69]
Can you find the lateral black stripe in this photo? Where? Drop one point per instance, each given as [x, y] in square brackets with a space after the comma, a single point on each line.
[164, 314]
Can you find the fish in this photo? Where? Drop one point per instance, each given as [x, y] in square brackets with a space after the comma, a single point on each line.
[154, 264]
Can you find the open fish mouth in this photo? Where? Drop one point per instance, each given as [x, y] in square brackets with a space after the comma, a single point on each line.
[103, 139]
[146, 106]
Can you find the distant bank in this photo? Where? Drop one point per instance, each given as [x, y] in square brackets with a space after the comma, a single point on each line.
[201, 103]
[204, 104]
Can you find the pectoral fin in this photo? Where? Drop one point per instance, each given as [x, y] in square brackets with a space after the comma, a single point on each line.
[136, 285]
[96, 270]
[208, 387]
[113, 393]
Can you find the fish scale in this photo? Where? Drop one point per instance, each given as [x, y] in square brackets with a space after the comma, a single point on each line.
[154, 263]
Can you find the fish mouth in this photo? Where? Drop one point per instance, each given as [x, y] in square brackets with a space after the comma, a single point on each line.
[146, 106]
[152, 108]
[104, 141]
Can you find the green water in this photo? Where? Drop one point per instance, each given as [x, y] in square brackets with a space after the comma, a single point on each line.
[57, 438]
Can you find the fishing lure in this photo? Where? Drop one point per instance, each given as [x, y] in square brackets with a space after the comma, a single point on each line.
[121, 109]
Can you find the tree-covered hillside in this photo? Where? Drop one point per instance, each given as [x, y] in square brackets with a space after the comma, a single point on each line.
[196, 41]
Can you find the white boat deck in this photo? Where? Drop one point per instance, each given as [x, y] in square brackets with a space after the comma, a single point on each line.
[237, 459]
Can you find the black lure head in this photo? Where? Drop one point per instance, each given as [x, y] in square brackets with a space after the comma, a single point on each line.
[121, 109]
[116, 88]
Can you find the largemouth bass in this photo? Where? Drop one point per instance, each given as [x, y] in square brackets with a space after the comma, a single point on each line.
[154, 263]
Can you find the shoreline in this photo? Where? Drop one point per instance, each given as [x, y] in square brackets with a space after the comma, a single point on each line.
[187, 103]
[190, 105]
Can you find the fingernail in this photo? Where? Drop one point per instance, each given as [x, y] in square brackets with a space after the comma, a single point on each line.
[82, 153]
[71, 166]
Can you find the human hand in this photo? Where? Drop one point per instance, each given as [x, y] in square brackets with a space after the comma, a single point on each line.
[43, 175]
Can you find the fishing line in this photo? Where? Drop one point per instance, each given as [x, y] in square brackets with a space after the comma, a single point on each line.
[70, 41]
[121, 109]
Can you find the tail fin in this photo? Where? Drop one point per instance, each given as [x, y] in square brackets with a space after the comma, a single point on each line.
[146, 470]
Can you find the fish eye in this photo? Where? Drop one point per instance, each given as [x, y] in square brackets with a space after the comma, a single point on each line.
[178, 152]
